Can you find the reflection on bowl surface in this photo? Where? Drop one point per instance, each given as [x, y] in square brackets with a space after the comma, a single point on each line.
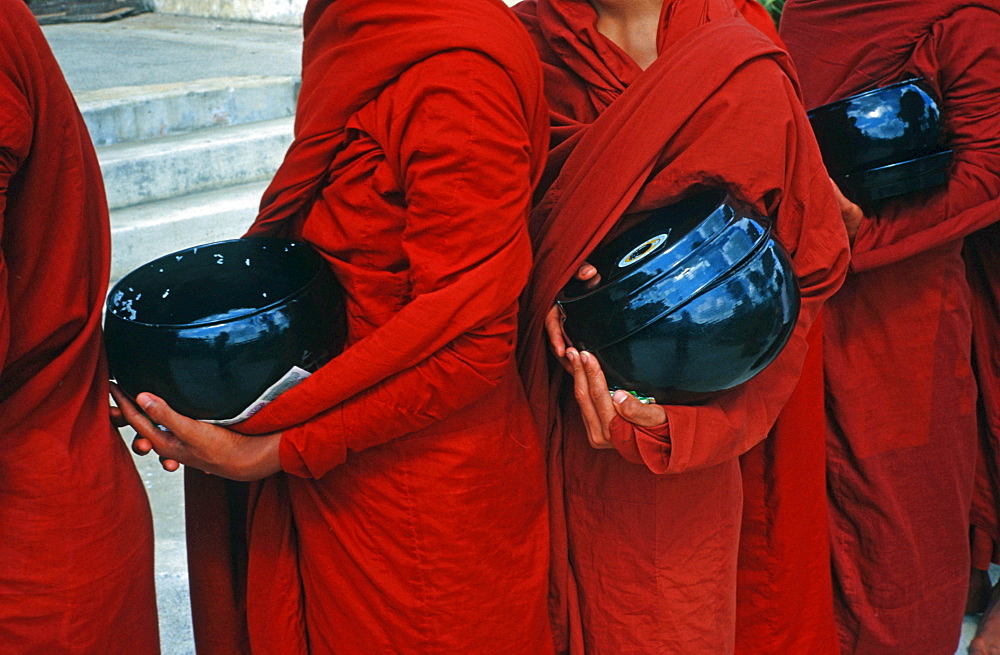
[695, 299]
[212, 327]
[883, 142]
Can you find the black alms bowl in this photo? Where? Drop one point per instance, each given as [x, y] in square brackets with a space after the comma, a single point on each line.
[210, 328]
[695, 299]
[884, 142]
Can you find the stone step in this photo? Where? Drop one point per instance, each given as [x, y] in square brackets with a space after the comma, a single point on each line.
[133, 113]
[158, 169]
[144, 232]
[51, 12]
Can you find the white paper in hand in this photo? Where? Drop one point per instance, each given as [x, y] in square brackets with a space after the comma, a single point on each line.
[287, 381]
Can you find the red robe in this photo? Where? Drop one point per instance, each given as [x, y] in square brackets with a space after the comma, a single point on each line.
[900, 385]
[76, 534]
[982, 258]
[645, 538]
[784, 591]
[411, 515]
[755, 14]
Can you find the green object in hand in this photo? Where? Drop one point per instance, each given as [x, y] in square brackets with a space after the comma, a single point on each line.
[645, 400]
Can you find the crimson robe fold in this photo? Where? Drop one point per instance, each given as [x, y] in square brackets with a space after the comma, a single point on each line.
[898, 337]
[982, 262]
[76, 551]
[982, 259]
[645, 539]
[411, 514]
[784, 590]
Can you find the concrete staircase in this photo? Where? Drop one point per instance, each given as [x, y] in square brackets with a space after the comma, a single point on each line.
[186, 163]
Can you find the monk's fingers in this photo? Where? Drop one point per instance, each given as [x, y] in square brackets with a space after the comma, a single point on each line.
[206, 447]
[981, 646]
[634, 411]
[168, 464]
[130, 413]
[587, 273]
[597, 431]
[117, 418]
[601, 398]
[557, 338]
[159, 411]
[162, 441]
[598, 386]
[190, 442]
[165, 444]
[581, 390]
[141, 446]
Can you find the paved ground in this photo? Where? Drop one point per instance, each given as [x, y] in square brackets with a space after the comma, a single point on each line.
[155, 49]
[160, 49]
[166, 495]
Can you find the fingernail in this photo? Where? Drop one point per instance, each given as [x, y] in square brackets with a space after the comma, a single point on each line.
[585, 357]
[145, 400]
[620, 396]
[571, 354]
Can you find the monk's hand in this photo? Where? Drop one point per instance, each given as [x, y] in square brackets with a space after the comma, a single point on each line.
[140, 445]
[210, 448]
[597, 405]
[849, 212]
[587, 273]
[557, 336]
[117, 418]
[558, 340]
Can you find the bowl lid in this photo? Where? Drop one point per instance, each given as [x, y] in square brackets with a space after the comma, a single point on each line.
[658, 265]
[658, 243]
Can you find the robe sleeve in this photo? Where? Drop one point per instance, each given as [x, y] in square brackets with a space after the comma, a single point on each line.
[779, 170]
[15, 140]
[965, 52]
[455, 135]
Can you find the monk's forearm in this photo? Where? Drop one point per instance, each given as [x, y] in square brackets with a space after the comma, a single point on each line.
[405, 403]
[970, 200]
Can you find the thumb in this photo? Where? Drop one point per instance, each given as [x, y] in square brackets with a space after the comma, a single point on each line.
[144, 425]
[163, 414]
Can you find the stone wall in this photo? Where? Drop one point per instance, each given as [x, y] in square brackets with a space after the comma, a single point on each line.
[281, 12]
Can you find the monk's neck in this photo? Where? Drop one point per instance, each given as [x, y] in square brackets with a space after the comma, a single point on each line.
[631, 25]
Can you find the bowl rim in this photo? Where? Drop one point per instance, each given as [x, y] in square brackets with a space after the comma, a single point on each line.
[723, 200]
[917, 81]
[745, 262]
[176, 326]
[943, 154]
[767, 240]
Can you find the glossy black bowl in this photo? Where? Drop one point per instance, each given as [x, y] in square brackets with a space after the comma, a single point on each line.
[884, 142]
[695, 299]
[210, 328]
